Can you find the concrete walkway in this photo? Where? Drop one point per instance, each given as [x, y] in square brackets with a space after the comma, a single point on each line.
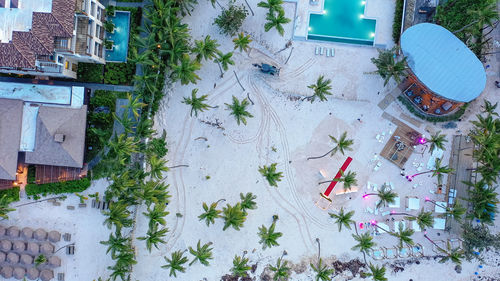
[93, 86]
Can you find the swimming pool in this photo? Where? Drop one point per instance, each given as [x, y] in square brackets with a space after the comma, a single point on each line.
[120, 36]
[342, 21]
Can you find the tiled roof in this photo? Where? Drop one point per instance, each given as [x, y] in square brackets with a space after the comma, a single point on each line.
[10, 135]
[25, 46]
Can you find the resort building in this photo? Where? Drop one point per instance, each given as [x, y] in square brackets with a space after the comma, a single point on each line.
[50, 37]
[44, 126]
[443, 73]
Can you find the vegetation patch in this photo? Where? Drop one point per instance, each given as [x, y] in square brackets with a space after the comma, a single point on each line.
[90, 72]
[398, 17]
[57, 187]
[452, 117]
[11, 193]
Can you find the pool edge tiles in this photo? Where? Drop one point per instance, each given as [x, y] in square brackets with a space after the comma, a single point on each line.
[342, 21]
[111, 36]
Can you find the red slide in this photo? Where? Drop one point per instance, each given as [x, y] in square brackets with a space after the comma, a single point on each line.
[338, 175]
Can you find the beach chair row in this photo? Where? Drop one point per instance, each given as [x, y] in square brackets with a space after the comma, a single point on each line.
[330, 52]
[397, 252]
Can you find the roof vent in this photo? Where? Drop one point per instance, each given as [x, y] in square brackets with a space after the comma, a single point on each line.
[59, 138]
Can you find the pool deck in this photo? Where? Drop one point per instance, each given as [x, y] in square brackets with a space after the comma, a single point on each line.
[380, 10]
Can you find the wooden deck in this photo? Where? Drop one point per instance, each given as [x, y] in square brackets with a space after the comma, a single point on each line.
[49, 174]
[406, 135]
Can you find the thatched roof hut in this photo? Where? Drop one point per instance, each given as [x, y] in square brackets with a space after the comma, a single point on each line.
[12, 258]
[54, 261]
[32, 273]
[19, 273]
[46, 275]
[54, 236]
[26, 259]
[5, 245]
[46, 248]
[40, 234]
[6, 272]
[19, 246]
[27, 233]
[33, 248]
[13, 232]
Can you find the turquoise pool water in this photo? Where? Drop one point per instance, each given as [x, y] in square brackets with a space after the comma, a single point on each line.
[342, 21]
[121, 20]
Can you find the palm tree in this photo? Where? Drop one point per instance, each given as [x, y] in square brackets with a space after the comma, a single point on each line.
[116, 243]
[323, 273]
[4, 207]
[437, 171]
[271, 5]
[247, 201]
[485, 15]
[276, 21]
[238, 110]
[456, 211]
[269, 172]
[175, 263]
[455, 255]
[156, 215]
[152, 192]
[157, 167]
[233, 216]
[134, 105]
[118, 215]
[202, 253]
[321, 89]
[484, 201]
[205, 49]
[342, 144]
[343, 218]
[240, 266]
[40, 259]
[186, 70]
[385, 195]
[404, 235]
[348, 179]
[423, 219]
[268, 237]
[154, 236]
[242, 42]
[388, 67]
[211, 213]
[377, 273]
[197, 104]
[437, 141]
[224, 60]
[489, 108]
[365, 243]
[281, 270]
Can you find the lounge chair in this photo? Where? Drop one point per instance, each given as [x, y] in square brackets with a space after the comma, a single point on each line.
[333, 52]
[369, 210]
[391, 253]
[417, 250]
[404, 252]
[316, 52]
[321, 51]
[327, 52]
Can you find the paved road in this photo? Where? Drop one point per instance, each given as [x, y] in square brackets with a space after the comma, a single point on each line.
[93, 86]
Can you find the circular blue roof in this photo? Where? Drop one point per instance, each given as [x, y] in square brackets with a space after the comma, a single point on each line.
[443, 63]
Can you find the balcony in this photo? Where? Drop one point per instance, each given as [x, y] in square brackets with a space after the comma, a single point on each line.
[82, 26]
[45, 66]
[81, 6]
[62, 44]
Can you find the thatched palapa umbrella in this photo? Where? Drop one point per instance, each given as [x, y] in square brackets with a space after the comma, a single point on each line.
[26, 259]
[19, 246]
[46, 275]
[3, 230]
[6, 272]
[27, 233]
[33, 248]
[46, 248]
[54, 261]
[2, 256]
[5, 245]
[32, 273]
[19, 273]
[13, 232]
[54, 236]
[40, 234]
[12, 258]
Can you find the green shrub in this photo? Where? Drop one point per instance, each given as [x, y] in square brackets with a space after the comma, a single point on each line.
[31, 173]
[109, 26]
[90, 72]
[446, 118]
[110, 10]
[231, 19]
[119, 73]
[58, 187]
[12, 193]
[398, 17]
